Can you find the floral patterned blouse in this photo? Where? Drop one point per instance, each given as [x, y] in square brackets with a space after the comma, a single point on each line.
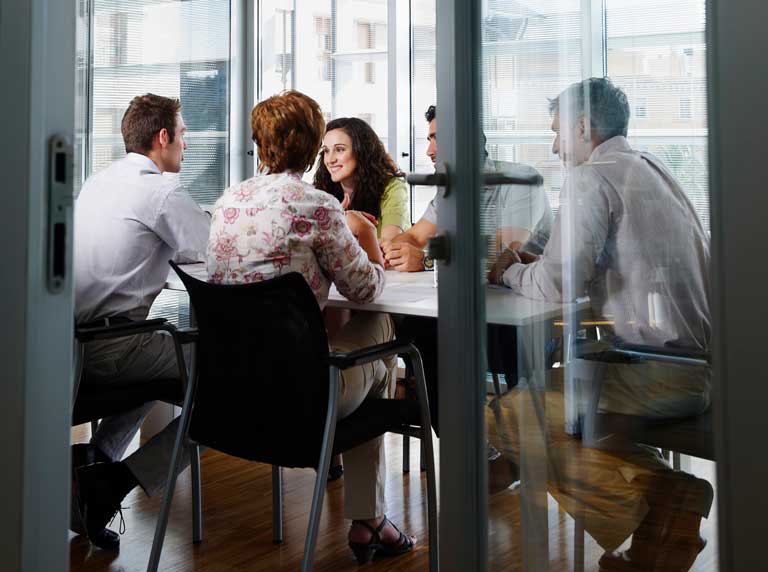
[270, 225]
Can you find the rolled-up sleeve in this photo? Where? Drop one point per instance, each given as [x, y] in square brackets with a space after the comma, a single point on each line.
[344, 261]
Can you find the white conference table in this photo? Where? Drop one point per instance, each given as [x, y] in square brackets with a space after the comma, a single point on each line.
[414, 294]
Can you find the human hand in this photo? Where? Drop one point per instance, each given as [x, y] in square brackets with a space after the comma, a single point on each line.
[527, 257]
[504, 261]
[403, 256]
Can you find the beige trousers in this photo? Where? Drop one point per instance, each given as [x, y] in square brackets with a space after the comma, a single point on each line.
[600, 483]
[365, 466]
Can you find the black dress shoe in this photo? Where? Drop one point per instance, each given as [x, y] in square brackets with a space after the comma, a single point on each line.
[87, 454]
[335, 472]
[106, 540]
[98, 503]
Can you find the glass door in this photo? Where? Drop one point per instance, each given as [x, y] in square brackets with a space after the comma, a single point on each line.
[574, 251]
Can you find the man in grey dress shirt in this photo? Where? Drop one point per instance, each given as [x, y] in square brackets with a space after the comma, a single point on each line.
[130, 219]
[627, 236]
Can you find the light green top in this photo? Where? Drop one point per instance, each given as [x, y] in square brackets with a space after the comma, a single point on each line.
[394, 206]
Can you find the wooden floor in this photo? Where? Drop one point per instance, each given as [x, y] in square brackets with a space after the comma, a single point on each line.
[237, 523]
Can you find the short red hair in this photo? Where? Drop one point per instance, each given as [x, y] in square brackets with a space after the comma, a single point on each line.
[288, 130]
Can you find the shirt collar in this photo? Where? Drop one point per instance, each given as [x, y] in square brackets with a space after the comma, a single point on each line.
[143, 162]
[615, 144]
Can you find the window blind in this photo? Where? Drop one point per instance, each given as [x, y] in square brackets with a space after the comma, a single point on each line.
[171, 48]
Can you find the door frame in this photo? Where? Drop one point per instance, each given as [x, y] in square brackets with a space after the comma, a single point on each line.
[37, 54]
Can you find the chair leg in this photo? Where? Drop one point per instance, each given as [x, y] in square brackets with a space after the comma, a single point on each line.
[432, 524]
[428, 458]
[422, 455]
[326, 452]
[197, 495]
[578, 542]
[676, 460]
[165, 511]
[94, 427]
[182, 436]
[277, 504]
[406, 454]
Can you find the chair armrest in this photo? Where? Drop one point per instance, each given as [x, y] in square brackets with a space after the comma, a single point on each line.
[187, 335]
[369, 354]
[670, 354]
[120, 330]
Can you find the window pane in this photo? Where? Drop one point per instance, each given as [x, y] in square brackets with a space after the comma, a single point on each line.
[170, 48]
[424, 94]
[340, 58]
[661, 64]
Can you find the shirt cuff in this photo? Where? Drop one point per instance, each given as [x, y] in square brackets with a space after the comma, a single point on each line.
[511, 275]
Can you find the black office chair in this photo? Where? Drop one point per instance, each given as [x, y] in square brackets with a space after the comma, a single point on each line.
[93, 402]
[261, 393]
[691, 435]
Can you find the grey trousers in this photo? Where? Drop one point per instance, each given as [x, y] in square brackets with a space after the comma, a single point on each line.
[145, 358]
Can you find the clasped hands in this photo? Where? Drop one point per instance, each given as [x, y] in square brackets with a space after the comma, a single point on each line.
[507, 258]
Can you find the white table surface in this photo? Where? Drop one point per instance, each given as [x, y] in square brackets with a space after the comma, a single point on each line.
[414, 294]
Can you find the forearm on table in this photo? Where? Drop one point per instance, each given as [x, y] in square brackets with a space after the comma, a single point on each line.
[370, 245]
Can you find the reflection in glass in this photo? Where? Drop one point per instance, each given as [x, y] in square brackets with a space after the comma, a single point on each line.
[610, 371]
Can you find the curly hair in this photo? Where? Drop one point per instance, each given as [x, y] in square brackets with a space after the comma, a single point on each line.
[375, 168]
[288, 130]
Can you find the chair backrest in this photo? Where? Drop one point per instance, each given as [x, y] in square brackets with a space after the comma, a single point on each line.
[262, 370]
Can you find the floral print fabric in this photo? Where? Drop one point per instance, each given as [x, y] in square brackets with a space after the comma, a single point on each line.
[271, 225]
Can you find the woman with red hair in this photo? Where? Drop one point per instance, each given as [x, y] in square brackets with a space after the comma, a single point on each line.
[275, 223]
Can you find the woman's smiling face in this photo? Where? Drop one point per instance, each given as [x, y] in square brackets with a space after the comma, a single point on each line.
[338, 156]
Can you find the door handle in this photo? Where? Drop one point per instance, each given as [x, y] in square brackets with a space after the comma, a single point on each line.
[523, 175]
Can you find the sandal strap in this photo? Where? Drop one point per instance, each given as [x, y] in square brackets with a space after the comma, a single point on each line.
[375, 532]
[403, 541]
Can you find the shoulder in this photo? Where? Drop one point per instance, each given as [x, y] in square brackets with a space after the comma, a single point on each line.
[394, 192]
[395, 186]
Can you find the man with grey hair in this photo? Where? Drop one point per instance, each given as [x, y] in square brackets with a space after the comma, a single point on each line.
[628, 237]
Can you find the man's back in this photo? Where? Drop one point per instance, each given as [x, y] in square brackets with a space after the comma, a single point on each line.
[627, 236]
[129, 221]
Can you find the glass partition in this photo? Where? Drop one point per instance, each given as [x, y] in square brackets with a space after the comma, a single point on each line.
[588, 235]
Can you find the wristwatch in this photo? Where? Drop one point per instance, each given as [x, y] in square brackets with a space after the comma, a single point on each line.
[427, 263]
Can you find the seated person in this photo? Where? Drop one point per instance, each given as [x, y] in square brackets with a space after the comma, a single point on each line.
[305, 230]
[633, 237]
[355, 168]
[516, 215]
[129, 220]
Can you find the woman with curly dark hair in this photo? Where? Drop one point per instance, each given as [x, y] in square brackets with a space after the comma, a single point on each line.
[356, 169]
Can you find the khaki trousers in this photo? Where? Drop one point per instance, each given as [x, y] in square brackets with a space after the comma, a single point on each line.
[600, 483]
[365, 465]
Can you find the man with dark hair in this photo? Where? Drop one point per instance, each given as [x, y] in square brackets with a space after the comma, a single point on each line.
[511, 216]
[628, 237]
[129, 220]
